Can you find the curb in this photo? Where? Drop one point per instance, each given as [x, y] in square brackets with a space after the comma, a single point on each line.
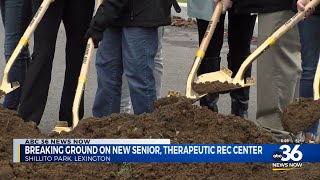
[184, 14]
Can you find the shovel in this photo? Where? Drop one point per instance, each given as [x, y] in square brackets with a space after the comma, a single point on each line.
[224, 75]
[62, 125]
[200, 54]
[7, 87]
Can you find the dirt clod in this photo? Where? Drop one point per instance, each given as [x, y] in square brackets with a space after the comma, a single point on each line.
[214, 87]
[185, 23]
[299, 115]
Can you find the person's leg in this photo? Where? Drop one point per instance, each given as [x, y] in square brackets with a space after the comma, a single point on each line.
[158, 63]
[35, 90]
[125, 106]
[240, 32]
[212, 59]
[278, 71]
[109, 74]
[310, 49]
[75, 49]
[15, 15]
[139, 47]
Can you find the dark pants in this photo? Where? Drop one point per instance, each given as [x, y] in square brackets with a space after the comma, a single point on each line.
[76, 16]
[16, 15]
[240, 32]
[310, 49]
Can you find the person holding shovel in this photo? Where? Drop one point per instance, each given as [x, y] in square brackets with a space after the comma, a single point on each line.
[16, 15]
[125, 105]
[310, 47]
[76, 16]
[279, 68]
[240, 30]
[129, 34]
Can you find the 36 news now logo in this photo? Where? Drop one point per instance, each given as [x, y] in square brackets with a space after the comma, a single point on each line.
[286, 154]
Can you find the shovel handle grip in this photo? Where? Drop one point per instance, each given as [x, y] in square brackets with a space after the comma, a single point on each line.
[273, 38]
[294, 20]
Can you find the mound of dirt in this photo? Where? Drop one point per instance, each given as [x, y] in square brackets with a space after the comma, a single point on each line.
[299, 115]
[179, 120]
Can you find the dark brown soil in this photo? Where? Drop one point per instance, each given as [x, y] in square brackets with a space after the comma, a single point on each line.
[181, 121]
[300, 115]
[214, 87]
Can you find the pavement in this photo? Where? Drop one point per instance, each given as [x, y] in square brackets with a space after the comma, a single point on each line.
[179, 47]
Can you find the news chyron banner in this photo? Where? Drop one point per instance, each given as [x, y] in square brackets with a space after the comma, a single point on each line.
[282, 156]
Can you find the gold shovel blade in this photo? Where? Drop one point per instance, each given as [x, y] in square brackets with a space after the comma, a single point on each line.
[224, 75]
[61, 126]
[219, 82]
[8, 88]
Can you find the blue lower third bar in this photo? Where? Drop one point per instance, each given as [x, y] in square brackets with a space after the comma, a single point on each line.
[168, 153]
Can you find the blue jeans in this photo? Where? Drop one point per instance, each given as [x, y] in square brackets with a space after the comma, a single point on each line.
[310, 49]
[125, 106]
[130, 51]
[16, 15]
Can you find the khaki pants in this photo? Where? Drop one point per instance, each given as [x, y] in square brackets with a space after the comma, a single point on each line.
[278, 71]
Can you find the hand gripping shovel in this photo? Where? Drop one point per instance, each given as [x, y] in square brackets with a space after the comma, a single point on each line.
[63, 126]
[201, 52]
[224, 76]
[7, 87]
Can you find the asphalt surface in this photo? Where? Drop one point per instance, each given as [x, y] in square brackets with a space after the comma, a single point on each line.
[179, 47]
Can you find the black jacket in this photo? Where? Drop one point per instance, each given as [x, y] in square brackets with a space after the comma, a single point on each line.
[261, 6]
[133, 13]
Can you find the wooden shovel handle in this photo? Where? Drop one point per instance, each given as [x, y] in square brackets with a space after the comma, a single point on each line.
[316, 84]
[210, 29]
[203, 47]
[273, 38]
[25, 37]
[83, 75]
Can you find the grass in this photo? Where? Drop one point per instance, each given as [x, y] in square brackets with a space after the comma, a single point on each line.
[182, 1]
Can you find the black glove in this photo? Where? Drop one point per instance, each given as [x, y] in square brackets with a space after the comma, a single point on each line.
[95, 34]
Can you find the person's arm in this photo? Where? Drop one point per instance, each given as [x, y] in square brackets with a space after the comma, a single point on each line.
[108, 12]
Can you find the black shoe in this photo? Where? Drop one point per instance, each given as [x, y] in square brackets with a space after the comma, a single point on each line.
[239, 108]
[210, 101]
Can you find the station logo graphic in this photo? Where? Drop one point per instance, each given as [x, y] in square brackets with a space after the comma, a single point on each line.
[288, 159]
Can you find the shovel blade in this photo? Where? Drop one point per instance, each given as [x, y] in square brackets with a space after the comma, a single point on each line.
[224, 75]
[221, 82]
[5, 89]
[61, 126]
